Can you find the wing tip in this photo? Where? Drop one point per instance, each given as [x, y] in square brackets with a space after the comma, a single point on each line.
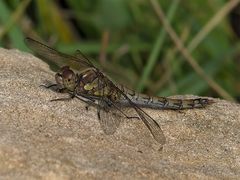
[161, 139]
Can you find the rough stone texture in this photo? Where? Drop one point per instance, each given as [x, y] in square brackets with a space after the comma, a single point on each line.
[61, 140]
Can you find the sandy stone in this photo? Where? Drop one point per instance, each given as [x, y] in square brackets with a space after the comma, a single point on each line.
[40, 139]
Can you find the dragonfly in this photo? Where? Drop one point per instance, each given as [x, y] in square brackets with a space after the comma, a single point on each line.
[92, 86]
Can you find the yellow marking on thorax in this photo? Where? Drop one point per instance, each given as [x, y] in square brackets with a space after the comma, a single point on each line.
[91, 85]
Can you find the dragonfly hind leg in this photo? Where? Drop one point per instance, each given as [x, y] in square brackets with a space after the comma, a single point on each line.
[112, 104]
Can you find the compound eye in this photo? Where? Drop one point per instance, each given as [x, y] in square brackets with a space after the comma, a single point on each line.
[64, 68]
[68, 74]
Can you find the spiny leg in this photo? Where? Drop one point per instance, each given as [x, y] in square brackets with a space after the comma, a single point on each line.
[98, 112]
[60, 90]
[89, 101]
[63, 99]
[110, 103]
[48, 86]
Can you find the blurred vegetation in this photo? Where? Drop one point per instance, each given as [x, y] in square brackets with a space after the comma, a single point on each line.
[130, 42]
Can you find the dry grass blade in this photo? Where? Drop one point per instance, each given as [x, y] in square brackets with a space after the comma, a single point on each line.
[211, 24]
[218, 89]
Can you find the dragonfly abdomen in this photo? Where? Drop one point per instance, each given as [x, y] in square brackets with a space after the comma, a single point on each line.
[143, 100]
[177, 104]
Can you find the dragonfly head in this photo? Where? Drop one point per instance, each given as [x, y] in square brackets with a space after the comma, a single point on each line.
[66, 78]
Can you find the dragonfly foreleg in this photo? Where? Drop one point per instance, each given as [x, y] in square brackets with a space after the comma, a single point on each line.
[48, 86]
[51, 86]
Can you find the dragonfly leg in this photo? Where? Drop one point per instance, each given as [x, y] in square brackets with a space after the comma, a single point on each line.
[57, 89]
[98, 113]
[109, 103]
[48, 86]
[71, 96]
[88, 100]
[132, 117]
[63, 99]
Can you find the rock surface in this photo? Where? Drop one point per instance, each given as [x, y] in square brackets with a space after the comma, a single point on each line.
[61, 140]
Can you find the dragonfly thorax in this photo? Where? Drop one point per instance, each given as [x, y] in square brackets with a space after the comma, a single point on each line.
[94, 83]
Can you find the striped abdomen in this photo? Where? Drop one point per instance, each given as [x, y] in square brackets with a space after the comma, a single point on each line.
[143, 100]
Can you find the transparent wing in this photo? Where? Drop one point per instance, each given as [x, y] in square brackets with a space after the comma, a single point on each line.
[78, 54]
[151, 124]
[109, 117]
[76, 62]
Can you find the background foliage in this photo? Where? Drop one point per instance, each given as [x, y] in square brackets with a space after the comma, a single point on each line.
[129, 40]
